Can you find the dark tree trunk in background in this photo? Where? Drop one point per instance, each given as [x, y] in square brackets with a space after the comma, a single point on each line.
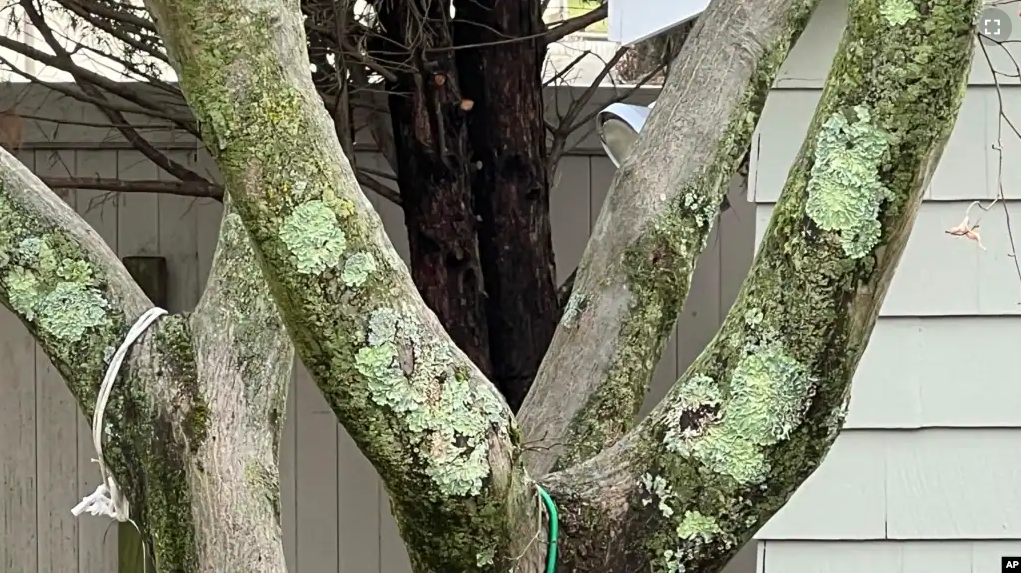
[433, 176]
[510, 183]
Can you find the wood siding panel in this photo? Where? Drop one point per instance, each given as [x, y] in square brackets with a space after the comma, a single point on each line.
[943, 275]
[909, 485]
[18, 503]
[954, 483]
[845, 498]
[925, 372]
[968, 170]
[887, 556]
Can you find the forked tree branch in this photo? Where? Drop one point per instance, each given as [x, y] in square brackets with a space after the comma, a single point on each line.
[636, 270]
[77, 300]
[758, 410]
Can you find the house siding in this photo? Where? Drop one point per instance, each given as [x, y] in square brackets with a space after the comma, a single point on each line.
[335, 513]
[924, 475]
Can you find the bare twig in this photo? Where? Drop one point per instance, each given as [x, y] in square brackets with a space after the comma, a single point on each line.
[182, 188]
[578, 23]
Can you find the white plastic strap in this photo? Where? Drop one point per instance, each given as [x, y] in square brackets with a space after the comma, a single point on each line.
[107, 500]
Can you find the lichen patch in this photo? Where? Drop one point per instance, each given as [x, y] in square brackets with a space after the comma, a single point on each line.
[844, 189]
[313, 237]
[358, 268]
[576, 303]
[898, 12]
[416, 375]
[770, 391]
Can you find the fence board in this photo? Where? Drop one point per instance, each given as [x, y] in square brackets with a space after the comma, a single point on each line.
[97, 538]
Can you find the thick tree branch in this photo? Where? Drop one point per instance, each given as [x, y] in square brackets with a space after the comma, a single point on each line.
[75, 297]
[243, 358]
[637, 267]
[757, 412]
[444, 442]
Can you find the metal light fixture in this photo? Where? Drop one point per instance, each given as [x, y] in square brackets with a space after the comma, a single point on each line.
[618, 126]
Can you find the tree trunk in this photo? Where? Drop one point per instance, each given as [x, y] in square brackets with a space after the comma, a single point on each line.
[433, 176]
[503, 78]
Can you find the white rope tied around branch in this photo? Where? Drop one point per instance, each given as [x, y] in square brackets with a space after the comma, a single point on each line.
[108, 500]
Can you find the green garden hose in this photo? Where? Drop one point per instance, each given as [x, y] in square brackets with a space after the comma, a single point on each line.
[551, 555]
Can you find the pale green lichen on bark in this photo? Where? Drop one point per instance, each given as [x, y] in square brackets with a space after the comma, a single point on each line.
[357, 269]
[572, 311]
[414, 374]
[769, 393]
[898, 12]
[46, 286]
[844, 187]
[313, 235]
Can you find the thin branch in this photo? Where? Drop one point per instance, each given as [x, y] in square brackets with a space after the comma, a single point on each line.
[377, 186]
[182, 188]
[576, 24]
[137, 141]
[118, 89]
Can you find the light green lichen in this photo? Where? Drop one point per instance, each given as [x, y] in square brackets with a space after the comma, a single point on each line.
[56, 294]
[415, 375]
[36, 252]
[313, 237]
[576, 303]
[485, 556]
[694, 529]
[698, 392]
[358, 268]
[75, 272]
[70, 310]
[898, 12]
[844, 190]
[696, 525]
[660, 489]
[769, 393]
[673, 562]
[23, 292]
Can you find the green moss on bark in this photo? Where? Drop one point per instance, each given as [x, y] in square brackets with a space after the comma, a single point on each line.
[174, 339]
